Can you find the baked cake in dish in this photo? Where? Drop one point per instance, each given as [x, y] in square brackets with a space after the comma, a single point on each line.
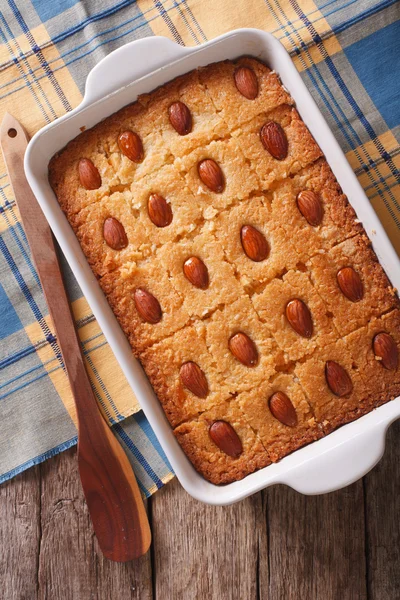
[235, 265]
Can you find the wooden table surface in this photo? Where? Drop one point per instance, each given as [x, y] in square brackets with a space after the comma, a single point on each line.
[275, 545]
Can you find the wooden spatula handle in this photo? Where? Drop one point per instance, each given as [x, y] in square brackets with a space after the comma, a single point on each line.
[111, 490]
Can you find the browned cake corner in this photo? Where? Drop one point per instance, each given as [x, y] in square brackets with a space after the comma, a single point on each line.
[234, 264]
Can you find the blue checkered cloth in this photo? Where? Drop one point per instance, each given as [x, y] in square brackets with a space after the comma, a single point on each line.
[347, 53]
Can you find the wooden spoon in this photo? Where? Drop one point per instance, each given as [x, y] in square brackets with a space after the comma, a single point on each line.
[111, 490]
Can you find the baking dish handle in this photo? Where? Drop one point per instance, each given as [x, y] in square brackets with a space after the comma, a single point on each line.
[129, 63]
[342, 465]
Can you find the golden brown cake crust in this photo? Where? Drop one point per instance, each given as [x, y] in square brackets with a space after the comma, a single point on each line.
[378, 295]
[200, 266]
[208, 459]
[278, 438]
[162, 363]
[382, 383]
[329, 409]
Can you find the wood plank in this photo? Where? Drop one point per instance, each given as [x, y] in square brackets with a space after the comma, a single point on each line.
[70, 564]
[317, 545]
[19, 535]
[207, 552]
[382, 506]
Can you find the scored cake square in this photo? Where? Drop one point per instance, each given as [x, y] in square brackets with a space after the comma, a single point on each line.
[144, 302]
[154, 152]
[368, 290]
[273, 161]
[234, 108]
[295, 315]
[165, 206]
[128, 241]
[313, 210]
[204, 123]
[184, 375]
[64, 173]
[333, 385]
[228, 170]
[281, 415]
[208, 458]
[375, 350]
[258, 250]
[242, 347]
[200, 274]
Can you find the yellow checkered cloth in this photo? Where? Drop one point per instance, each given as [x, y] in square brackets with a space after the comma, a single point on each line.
[346, 52]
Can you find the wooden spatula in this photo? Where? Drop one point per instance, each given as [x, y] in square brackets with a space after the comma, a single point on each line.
[111, 490]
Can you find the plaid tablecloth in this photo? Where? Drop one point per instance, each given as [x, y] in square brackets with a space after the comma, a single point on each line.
[348, 54]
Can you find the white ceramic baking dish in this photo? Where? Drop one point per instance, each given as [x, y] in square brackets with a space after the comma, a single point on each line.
[328, 464]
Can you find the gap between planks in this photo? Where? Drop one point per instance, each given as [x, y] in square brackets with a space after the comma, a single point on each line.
[276, 544]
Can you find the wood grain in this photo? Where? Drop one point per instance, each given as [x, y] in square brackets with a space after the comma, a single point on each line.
[317, 546]
[71, 565]
[274, 545]
[20, 535]
[382, 511]
[207, 552]
[108, 481]
[48, 550]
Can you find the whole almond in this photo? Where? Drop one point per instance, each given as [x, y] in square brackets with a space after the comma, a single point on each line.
[386, 349]
[225, 437]
[350, 283]
[114, 234]
[147, 306]
[244, 349]
[282, 409]
[194, 379]
[88, 174]
[180, 118]
[211, 175]
[274, 140]
[299, 317]
[196, 272]
[131, 146]
[246, 82]
[254, 243]
[160, 211]
[338, 378]
[310, 207]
